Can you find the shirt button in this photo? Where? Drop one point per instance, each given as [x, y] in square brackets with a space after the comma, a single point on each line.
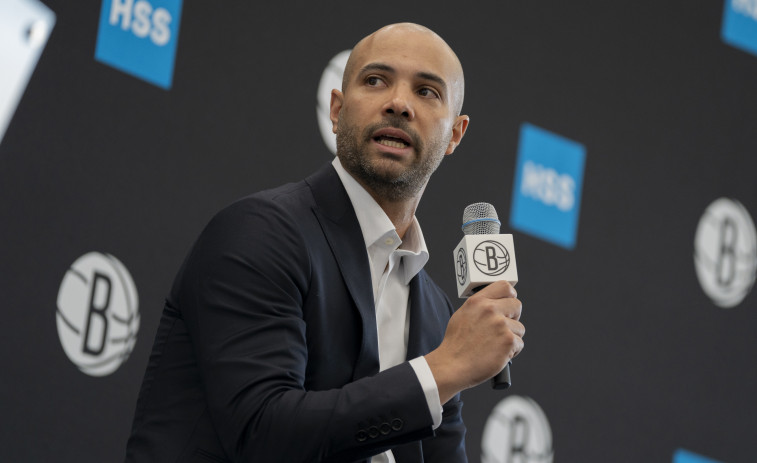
[389, 241]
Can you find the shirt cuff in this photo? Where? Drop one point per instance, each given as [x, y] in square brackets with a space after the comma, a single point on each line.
[428, 383]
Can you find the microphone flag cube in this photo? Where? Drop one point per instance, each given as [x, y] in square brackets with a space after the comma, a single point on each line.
[484, 259]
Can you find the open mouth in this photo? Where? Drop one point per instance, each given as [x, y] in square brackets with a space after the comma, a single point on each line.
[392, 138]
[391, 142]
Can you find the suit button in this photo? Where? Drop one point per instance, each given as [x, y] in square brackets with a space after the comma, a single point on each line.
[397, 424]
[361, 435]
[385, 428]
[373, 432]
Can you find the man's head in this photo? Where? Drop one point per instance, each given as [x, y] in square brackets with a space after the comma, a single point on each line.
[398, 112]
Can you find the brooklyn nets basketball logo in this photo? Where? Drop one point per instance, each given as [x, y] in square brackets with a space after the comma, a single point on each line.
[330, 79]
[491, 258]
[725, 252]
[462, 266]
[97, 314]
[517, 431]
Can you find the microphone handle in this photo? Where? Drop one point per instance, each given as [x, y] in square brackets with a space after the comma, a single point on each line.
[502, 379]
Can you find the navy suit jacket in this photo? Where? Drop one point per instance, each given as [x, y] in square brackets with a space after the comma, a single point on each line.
[267, 348]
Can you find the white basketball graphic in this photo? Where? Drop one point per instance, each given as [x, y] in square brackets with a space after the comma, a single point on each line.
[97, 314]
[491, 258]
[725, 252]
[517, 431]
[330, 79]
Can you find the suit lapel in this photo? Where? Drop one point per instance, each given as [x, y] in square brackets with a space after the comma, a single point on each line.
[341, 228]
[426, 329]
[426, 333]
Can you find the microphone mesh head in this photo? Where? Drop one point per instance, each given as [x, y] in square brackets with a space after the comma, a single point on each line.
[480, 219]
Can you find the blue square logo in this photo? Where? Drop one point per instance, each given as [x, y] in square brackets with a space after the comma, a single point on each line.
[684, 456]
[139, 37]
[740, 25]
[547, 188]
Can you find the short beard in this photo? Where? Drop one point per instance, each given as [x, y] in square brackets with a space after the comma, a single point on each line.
[393, 187]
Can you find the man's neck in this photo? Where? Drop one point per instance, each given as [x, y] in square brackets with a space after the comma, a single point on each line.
[401, 212]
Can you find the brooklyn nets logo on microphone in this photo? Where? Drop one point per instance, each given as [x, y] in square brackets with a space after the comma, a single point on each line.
[461, 265]
[491, 258]
[97, 315]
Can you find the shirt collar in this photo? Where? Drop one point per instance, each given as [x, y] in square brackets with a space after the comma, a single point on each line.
[414, 251]
[375, 224]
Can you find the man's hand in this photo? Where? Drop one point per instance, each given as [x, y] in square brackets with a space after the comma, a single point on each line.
[482, 336]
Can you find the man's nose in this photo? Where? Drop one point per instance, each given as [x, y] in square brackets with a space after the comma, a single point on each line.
[399, 103]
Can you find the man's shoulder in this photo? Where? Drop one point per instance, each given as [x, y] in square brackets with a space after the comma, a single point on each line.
[285, 205]
[292, 194]
[281, 204]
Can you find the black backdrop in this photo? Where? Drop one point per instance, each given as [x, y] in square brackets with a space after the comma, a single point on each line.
[626, 355]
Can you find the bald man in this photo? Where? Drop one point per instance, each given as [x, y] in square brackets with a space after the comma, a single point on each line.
[302, 326]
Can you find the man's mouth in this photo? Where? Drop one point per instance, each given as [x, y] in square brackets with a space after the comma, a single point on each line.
[392, 137]
[391, 142]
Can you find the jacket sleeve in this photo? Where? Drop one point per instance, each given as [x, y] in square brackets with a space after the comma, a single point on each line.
[448, 444]
[241, 294]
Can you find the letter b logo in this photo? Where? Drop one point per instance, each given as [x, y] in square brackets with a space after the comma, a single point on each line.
[491, 258]
[725, 252]
[96, 318]
[97, 315]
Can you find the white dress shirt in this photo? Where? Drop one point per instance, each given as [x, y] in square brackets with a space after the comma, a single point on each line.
[394, 263]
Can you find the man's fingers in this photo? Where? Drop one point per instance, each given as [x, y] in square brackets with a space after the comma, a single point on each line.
[498, 290]
[516, 327]
[508, 307]
[499, 297]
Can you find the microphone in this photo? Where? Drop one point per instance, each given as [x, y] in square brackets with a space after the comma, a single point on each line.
[482, 257]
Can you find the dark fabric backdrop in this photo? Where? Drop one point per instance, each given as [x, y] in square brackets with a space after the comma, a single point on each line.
[626, 355]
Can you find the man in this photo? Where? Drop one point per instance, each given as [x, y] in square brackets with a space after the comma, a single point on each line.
[302, 327]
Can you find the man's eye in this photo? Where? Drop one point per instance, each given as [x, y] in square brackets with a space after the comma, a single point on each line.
[373, 81]
[428, 93]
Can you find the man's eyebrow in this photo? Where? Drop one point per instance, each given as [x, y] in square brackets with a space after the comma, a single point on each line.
[433, 78]
[376, 67]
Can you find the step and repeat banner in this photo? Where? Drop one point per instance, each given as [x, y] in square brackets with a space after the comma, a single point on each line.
[616, 140]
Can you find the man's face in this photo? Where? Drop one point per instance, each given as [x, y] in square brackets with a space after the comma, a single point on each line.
[397, 117]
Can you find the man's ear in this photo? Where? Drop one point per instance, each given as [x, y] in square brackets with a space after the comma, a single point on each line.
[458, 130]
[335, 107]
